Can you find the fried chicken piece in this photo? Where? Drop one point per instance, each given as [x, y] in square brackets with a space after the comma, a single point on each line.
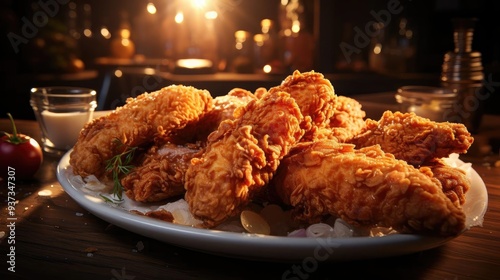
[223, 109]
[259, 92]
[242, 156]
[347, 121]
[454, 181]
[414, 139]
[364, 187]
[160, 172]
[142, 119]
[315, 96]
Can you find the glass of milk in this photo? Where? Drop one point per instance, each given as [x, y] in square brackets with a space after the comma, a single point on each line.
[61, 113]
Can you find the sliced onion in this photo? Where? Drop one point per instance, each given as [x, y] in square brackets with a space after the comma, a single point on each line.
[301, 232]
[319, 230]
[342, 229]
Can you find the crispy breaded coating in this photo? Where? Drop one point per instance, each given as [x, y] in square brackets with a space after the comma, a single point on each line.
[454, 181]
[315, 96]
[348, 120]
[138, 122]
[364, 187]
[414, 139]
[223, 109]
[242, 156]
[159, 173]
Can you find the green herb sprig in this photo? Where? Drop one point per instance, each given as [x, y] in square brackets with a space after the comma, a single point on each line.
[119, 165]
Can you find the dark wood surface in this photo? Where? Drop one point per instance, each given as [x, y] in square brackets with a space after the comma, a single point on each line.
[58, 239]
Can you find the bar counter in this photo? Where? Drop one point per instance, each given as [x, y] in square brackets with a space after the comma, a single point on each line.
[55, 237]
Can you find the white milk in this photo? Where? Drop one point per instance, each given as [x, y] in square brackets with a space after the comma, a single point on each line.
[62, 129]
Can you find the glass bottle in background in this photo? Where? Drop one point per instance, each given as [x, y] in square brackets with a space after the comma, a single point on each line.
[462, 71]
[399, 48]
[122, 46]
[376, 60]
[72, 21]
[242, 60]
[266, 49]
[296, 36]
[92, 45]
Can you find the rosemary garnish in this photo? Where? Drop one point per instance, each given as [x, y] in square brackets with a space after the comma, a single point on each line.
[120, 165]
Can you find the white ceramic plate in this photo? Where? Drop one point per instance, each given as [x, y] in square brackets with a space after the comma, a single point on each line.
[269, 248]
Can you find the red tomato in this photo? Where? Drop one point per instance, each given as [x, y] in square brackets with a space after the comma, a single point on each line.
[20, 155]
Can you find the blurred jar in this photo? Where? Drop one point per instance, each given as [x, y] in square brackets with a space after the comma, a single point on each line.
[296, 35]
[434, 103]
[242, 61]
[266, 48]
[462, 70]
[122, 46]
[397, 48]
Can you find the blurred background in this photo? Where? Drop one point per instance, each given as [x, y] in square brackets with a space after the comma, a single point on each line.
[125, 47]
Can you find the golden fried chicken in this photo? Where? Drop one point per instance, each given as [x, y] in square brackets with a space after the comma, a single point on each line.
[242, 156]
[223, 109]
[454, 181]
[413, 138]
[142, 119]
[347, 121]
[160, 172]
[315, 96]
[259, 92]
[364, 187]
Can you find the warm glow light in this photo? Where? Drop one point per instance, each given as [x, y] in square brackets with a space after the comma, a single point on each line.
[259, 39]
[118, 73]
[149, 71]
[105, 32]
[267, 68]
[125, 42]
[284, 2]
[125, 33]
[211, 15]
[199, 4]
[266, 25]
[151, 8]
[296, 26]
[45, 193]
[193, 63]
[179, 17]
[409, 34]
[241, 35]
[87, 32]
[287, 32]
[377, 49]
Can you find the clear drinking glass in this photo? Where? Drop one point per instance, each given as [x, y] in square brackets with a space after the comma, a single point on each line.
[434, 103]
[61, 113]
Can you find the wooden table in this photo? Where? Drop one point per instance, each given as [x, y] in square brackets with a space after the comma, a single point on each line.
[57, 238]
